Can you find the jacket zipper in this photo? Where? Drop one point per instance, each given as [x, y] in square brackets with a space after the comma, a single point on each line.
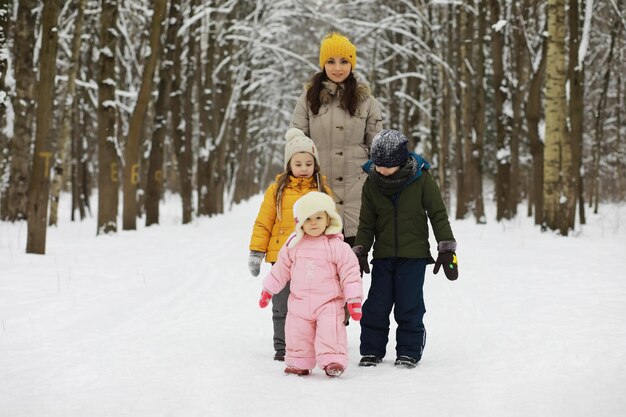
[395, 223]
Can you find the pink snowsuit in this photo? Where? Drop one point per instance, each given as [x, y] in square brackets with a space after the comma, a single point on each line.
[324, 274]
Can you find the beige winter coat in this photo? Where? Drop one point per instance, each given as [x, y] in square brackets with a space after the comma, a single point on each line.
[343, 143]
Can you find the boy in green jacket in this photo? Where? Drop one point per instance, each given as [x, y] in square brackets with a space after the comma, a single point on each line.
[398, 198]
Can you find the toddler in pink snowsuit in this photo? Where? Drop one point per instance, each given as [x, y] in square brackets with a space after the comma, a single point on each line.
[324, 274]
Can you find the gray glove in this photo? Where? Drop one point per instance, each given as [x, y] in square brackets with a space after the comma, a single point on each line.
[254, 262]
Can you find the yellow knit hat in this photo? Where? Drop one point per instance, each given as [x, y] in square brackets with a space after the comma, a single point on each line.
[335, 44]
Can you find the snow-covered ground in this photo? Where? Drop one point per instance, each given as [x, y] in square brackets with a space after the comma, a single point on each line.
[164, 321]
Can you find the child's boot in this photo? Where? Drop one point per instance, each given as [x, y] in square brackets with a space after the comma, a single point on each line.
[406, 362]
[333, 369]
[279, 355]
[292, 370]
[370, 360]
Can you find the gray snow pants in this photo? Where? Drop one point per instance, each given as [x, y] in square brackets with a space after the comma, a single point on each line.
[279, 315]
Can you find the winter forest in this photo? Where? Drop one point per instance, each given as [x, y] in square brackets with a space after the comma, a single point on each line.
[520, 103]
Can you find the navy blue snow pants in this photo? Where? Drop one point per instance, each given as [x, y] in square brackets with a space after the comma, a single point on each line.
[397, 283]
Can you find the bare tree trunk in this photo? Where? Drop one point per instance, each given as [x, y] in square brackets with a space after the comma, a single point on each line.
[599, 128]
[412, 113]
[459, 64]
[77, 152]
[533, 116]
[6, 7]
[576, 111]
[61, 163]
[446, 114]
[244, 179]
[222, 94]
[82, 133]
[618, 141]
[205, 144]
[556, 110]
[467, 100]
[393, 86]
[5, 11]
[24, 108]
[435, 100]
[503, 146]
[182, 144]
[108, 175]
[131, 155]
[520, 52]
[39, 189]
[154, 186]
[207, 163]
[476, 156]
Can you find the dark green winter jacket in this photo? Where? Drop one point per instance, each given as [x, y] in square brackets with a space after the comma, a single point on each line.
[397, 225]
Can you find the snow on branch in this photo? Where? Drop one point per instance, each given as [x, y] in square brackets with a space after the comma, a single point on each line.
[276, 49]
[205, 11]
[417, 104]
[498, 26]
[401, 76]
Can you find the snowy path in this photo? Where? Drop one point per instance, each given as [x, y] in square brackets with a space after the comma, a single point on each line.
[165, 322]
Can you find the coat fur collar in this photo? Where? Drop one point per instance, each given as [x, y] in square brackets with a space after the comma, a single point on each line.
[331, 89]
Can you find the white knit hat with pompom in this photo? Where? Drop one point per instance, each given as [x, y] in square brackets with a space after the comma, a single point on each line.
[298, 142]
[309, 204]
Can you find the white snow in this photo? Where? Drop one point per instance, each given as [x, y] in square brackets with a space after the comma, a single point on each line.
[584, 41]
[497, 27]
[164, 321]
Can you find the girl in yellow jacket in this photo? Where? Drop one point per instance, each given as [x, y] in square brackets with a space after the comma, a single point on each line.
[275, 221]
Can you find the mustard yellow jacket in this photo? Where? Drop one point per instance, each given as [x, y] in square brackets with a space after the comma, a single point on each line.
[270, 233]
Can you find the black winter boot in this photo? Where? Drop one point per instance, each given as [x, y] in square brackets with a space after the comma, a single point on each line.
[370, 360]
[279, 355]
[406, 362]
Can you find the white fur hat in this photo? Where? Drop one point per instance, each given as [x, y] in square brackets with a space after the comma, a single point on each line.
[297, 142]
[309, 204]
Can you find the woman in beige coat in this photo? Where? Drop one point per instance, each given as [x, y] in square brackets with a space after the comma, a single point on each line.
[342, 117]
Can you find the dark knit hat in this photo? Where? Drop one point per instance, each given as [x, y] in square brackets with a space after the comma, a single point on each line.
[389, 149]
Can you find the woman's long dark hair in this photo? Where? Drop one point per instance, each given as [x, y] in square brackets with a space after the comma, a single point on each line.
[349, 99]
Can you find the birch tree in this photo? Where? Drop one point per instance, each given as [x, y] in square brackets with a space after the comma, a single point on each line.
[556, 107]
